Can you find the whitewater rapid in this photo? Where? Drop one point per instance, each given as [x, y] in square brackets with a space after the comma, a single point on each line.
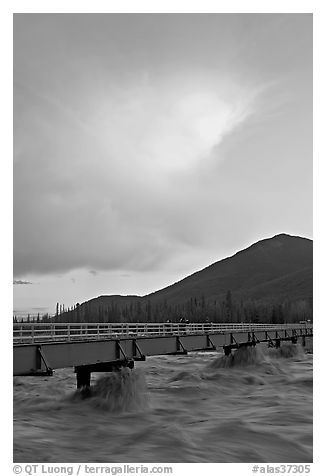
[254, 406]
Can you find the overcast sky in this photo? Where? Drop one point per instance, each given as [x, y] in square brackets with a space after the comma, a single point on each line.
[147, 146]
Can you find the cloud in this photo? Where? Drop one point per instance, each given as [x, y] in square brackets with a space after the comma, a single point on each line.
[109, 185]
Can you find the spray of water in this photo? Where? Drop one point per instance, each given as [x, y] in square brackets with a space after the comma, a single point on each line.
[243, 357]
[286, 351]
[121, 391]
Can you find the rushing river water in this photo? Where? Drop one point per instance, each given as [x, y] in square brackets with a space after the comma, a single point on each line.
[200, 407]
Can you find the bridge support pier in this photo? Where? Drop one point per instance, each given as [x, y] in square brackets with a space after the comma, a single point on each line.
[227, 350]
[83, 377]
[303, 341]
[277, 343]
[83, 372]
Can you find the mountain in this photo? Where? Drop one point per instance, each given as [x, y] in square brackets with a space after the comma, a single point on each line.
[269, 269]
[272, 275]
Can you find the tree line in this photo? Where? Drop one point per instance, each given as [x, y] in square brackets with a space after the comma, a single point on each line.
[194, 309]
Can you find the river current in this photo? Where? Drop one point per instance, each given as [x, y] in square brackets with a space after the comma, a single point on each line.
[255, 406]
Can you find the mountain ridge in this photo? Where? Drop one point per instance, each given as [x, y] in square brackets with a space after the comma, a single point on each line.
[272, 272]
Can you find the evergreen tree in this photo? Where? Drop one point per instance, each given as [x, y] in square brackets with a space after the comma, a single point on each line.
[228, 306]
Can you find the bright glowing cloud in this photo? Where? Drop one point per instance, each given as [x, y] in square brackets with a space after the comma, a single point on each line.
[169, 125]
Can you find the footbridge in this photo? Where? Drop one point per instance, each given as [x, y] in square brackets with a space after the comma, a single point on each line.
[39, 349]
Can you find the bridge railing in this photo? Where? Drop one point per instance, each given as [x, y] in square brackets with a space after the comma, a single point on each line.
[28, 333]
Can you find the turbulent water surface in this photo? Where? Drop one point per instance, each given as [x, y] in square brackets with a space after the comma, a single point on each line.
[255, 406]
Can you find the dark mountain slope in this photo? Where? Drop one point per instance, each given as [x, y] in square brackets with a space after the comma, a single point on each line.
[270, 273]
[250, 269]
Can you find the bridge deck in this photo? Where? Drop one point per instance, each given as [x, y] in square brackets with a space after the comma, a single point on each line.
[26, 333]
[38, 347]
